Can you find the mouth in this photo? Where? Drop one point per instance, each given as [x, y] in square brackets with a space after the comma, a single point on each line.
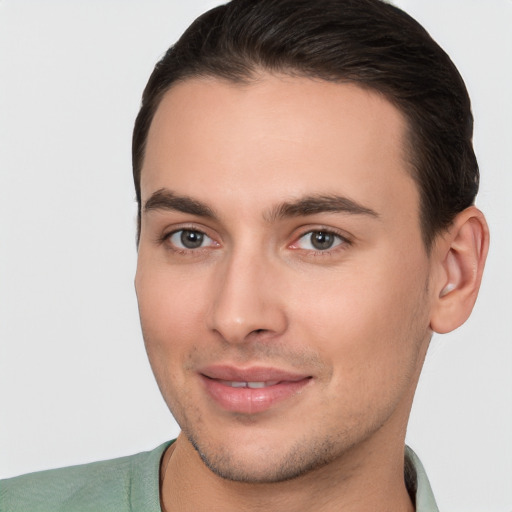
[252, 385]
[253, 390]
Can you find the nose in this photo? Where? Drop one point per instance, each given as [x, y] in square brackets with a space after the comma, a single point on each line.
[246, 301]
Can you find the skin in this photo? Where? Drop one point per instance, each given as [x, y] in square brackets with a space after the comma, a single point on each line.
[355, 318]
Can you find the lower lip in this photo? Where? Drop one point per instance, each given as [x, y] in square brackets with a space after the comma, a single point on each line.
[249, 400]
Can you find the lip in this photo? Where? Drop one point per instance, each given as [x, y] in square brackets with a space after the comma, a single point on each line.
[279, 385]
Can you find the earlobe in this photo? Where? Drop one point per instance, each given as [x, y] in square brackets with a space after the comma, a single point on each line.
[461, 254]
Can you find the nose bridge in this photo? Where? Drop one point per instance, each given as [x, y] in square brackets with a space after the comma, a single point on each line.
[245, 299]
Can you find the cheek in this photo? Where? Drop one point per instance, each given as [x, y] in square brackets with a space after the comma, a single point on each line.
[170, 309]
[369, 322]
[170, 313]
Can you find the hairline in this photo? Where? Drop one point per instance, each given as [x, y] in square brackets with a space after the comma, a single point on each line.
[252, 75]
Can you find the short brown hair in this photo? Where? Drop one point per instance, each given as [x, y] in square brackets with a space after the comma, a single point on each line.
[367, 42]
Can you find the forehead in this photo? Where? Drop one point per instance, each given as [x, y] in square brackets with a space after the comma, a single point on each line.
[278, 135]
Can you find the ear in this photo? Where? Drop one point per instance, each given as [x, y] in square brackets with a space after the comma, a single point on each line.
[460, 255]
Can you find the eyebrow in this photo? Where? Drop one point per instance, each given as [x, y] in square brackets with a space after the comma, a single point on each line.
[314, 204]
[167, 200]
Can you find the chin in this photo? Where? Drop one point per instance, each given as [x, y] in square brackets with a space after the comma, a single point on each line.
[264, 464]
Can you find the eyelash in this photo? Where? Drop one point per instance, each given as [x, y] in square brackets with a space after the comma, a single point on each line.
[343, 243]
[166, 239]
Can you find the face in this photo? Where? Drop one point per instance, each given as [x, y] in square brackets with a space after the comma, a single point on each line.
[282, 279]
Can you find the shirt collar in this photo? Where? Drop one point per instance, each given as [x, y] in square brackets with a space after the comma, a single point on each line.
[418, 484]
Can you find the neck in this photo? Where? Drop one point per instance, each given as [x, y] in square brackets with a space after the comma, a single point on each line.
[370, 477]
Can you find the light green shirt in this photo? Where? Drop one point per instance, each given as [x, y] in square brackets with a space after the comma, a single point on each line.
[128, 484]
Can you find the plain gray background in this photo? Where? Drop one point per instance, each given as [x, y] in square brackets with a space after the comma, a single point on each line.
[75, 385]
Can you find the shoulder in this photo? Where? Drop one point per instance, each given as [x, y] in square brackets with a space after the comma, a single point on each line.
[119, 484]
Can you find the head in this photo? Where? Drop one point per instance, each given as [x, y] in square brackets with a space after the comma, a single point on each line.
[305, 177]
[367, 42]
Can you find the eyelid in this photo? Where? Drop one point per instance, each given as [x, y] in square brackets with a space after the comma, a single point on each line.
[206, 241]
[345, 239]
[165, 237]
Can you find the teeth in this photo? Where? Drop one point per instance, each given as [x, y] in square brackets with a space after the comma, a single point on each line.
[252, 385]
[256, 385]
[238, 384]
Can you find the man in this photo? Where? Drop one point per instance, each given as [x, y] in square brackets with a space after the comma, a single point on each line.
[306, 180]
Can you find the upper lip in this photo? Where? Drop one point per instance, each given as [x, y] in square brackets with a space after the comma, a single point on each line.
[250, 374]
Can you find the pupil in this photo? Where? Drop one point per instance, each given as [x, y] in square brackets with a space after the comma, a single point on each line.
[321, 240]
[191, 239]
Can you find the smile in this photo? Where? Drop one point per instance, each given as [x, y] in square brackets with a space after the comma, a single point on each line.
[252, 390]
[252, 385]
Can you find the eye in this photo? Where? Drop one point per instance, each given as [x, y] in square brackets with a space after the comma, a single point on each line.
[190, 239]
[319, 241]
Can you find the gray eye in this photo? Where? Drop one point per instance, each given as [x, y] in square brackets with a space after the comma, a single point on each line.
[319, 241]
[189, 239]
